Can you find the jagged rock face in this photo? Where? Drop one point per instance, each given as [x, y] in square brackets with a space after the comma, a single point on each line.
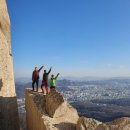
[87, 124]
[56, 106]
[40, 107]
[91, 124]
[119, 124]
[8, 101]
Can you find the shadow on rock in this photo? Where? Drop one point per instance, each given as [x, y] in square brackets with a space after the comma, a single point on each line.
[8, 113]
[1, 84]
[65, 126]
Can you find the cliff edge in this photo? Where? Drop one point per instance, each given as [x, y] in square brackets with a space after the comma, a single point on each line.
[52, 112]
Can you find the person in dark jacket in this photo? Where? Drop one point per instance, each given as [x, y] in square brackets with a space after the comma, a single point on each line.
[35, 77]
[45, 80]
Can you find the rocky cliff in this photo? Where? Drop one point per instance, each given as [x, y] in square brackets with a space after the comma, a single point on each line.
[49, 112]
[8, 101]
[52, 112]
[91, 124]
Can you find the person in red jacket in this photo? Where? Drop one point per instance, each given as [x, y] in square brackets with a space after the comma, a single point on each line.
[35, 77]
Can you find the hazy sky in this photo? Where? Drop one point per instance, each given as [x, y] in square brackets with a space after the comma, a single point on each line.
[76, 37]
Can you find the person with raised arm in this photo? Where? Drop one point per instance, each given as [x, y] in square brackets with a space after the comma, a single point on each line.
[35, 77]
[53, 81]
[45, 80]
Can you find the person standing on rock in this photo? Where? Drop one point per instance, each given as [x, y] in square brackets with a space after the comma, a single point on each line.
[35, 77]
[45, 80]
[53, 81]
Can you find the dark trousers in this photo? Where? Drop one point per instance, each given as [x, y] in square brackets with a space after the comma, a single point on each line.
[37, 83]
[52, 87]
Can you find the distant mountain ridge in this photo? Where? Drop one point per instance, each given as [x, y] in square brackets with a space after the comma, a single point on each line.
[87, 78]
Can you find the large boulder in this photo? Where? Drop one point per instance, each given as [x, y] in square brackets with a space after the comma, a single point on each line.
[87, 124]
[91, 124]
[56, 106]
[118, 124]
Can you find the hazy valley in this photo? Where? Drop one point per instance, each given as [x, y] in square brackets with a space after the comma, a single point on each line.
[103, 100]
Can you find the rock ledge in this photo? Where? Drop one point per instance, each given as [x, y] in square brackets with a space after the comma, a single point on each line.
[49, 112]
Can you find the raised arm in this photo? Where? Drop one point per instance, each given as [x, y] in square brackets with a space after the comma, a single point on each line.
[49, 71]
[41, 68]
[57, 76]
